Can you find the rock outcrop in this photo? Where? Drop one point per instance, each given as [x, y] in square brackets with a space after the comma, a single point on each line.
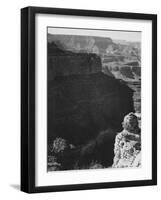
[127, 148]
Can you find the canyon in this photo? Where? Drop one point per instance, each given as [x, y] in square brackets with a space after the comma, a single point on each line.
[93, 83]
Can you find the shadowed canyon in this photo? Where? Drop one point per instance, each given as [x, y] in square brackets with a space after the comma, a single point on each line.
[93, 83]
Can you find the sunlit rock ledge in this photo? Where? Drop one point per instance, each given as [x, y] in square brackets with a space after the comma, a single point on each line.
[127, 147]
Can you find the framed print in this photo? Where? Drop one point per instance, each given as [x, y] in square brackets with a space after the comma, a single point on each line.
[88, 99]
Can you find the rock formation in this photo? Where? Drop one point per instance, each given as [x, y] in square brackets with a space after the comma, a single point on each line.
[119, 58]
[82, 100]
[127, 148]
[93, 82]
[102, 151]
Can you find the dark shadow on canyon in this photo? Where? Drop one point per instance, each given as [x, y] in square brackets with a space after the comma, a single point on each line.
[85, 106]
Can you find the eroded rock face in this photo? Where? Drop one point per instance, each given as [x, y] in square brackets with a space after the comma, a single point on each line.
[127, 148]
[85, 44]
[87, 102]
[119, 59]
[83, 101]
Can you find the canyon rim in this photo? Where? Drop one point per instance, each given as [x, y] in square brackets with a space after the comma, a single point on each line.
[93, 99]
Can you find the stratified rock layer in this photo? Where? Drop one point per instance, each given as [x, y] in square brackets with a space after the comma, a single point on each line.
[119, 59]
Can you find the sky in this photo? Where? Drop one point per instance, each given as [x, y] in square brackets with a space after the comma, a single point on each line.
[114, 35]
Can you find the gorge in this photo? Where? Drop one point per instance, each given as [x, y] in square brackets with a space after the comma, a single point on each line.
[90, 90]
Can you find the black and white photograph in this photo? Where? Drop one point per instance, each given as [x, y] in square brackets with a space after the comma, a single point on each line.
[93, 99]
[89, 105]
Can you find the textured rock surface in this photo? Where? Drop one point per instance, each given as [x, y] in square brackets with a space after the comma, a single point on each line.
[127, 148]
[120, 59]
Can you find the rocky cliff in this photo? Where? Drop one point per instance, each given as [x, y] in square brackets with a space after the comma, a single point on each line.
[82, 100]
[119, 59]
[93, 83]
[127, 146]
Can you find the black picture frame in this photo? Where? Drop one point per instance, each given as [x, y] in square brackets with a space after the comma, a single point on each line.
[28, 98]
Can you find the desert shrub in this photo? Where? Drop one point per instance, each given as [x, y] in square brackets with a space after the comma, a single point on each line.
[98, 150]
[61, 156]
[60, 145]
[95, 165]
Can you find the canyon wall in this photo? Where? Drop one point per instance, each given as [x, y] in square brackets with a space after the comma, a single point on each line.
[119, 58]
[82, 100]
